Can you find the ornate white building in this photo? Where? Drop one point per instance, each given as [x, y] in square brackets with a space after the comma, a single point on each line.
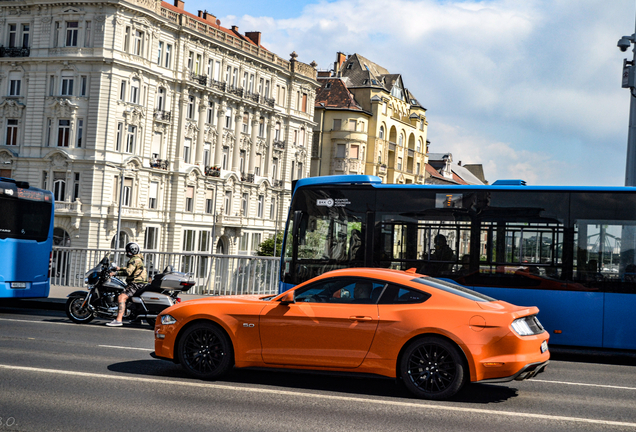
[194, 130]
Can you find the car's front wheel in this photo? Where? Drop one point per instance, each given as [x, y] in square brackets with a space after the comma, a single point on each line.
[433, 368]
[205, 351]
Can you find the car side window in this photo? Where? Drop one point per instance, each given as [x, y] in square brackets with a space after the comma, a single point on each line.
[396, 294]
[341, 290]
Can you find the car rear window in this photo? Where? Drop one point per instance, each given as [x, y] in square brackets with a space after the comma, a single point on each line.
[453, 289]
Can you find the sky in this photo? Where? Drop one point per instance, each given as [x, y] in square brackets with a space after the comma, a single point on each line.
[530, 89]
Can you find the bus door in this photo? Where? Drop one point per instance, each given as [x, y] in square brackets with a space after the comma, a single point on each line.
[604, 265]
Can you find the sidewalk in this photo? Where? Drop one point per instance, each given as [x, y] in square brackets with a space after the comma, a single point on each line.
[57, 299]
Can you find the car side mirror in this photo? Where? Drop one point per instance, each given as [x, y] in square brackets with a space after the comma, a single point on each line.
[288, 298]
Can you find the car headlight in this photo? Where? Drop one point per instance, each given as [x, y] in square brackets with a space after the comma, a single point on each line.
[527, 326]
[168, 319]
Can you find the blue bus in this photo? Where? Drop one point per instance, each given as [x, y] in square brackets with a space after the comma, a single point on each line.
[567, 250]
[26, 239]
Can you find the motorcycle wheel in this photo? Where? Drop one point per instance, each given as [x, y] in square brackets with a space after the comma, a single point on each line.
[75, 312]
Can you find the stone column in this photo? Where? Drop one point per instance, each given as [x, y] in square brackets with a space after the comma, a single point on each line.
[218, 149]
[269, 129]
[255, 121]
[236, 151]
[201, 124]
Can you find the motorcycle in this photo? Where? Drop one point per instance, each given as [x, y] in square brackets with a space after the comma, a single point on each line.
[103, 291]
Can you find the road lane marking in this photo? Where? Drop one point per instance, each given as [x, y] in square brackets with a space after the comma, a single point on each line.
[73, 324]
[128, 348]
[422, 405]
[585, 384]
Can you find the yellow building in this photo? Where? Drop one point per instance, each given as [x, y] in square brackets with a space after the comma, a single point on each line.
[368, 123]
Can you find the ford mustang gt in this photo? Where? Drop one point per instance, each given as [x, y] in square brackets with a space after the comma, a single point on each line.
[434, 335]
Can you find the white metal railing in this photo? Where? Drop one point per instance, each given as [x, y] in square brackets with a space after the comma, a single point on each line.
[214, 274]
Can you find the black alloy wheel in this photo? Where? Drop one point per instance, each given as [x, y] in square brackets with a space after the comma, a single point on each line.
[205, 351]
[76, 313]
[433, 368]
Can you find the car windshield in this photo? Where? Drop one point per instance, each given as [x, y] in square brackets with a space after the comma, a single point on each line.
[453, 289]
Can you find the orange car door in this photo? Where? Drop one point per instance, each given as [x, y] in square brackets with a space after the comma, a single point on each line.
[325, 330]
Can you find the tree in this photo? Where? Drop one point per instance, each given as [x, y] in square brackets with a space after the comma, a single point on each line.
[266, 248]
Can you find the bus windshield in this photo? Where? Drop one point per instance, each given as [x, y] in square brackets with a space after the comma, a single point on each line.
[23, 219]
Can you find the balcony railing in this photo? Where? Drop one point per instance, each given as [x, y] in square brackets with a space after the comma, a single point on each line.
[254, 96]
[160, 164]
[236, 91]
[269, 101]
[14, 52]
[218, 84]
[278, 183]
[279, 144]
[213, 171]
[160, 115]
[249, 178]
[201, 79]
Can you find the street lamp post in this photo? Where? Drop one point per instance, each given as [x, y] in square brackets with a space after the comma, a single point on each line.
[629, 81]
[121, 198]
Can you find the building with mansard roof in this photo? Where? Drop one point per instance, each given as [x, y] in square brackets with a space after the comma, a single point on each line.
[190, 131]
[368, 123]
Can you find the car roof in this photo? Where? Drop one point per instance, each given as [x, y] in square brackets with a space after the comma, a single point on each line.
[398, 276]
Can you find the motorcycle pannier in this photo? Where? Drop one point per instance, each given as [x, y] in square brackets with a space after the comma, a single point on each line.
[176, 281]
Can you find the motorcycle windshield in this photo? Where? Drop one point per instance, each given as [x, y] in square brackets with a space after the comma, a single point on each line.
[105, 262]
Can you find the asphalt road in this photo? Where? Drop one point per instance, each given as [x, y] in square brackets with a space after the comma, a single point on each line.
[59, 376]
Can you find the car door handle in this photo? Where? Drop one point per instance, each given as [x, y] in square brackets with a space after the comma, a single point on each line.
[360, 318]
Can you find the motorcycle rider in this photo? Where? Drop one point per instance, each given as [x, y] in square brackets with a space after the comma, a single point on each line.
[135, 273]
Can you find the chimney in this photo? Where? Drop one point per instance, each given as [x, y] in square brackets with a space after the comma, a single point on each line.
[180, 4]
[254, 36]
[235, 29]
[208, 17]
[340, 59]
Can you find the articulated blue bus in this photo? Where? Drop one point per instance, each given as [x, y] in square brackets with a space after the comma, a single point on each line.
[567, 250]
[26, 239]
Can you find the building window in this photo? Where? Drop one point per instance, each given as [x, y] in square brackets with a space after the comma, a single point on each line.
[161, 98]
[63, 133]
[261, 204]
[14, 87]
[261, 127]
[51, 85]
[134, 91]
[150, 240]
[139, 43]
[337, 124]
[226, 152]
[304, 103]
[206, 154]
[352, 125]
[244, 203]
[120, 129]
[340, 150]
[159, 53]
[189, 201]
[190, 59]
[300, 170]
[126, 198]
[76, 187]
[12, 132]
[243, 242]
[210, 113]
[190, 113]
[277, 132]
[13, 35]
[197, 64]
[187, 145]
[228, 118]
[80, 133]
[59, 188]
[25, 35]
[228, 202]
[83, 85]
[66, 88]
[353, 151]
[152, 195]
[49, 132]
[130, 139]
[72, 28]
[417, 168]
[399, 164]
[209, 201]
[272, 209]
[122, 91]
[127, 39]
[275, 169]
[246, 119]
[256, 241]
[168, 50]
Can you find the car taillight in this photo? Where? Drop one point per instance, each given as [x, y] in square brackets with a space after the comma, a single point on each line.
[527, 326]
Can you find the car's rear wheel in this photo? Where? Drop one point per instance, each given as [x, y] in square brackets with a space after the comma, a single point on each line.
[433, 368]
[205, 351]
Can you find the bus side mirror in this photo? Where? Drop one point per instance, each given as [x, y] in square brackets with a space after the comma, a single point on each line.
[288, 298]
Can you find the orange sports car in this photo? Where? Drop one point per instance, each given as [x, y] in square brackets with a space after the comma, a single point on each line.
[434, 335]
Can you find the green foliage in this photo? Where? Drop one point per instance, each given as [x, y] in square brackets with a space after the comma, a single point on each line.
[266, 248]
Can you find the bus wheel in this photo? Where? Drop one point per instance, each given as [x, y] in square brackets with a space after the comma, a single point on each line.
[76, 313]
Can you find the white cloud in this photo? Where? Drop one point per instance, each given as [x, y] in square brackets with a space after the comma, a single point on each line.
[533, 85]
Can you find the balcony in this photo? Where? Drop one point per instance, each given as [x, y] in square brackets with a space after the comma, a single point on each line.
[382, 169]
[201, 79]
[279, 144]
[236, 91]
[278, 183]
[248, 178]
[159, 164]
[269, 101]
[162, 116]
[253, 96]
[218, 85]
[14, 52]
[213, 171]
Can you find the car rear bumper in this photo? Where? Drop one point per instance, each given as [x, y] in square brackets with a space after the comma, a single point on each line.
[527, 372]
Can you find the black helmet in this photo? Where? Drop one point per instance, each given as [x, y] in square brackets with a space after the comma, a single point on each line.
[132, 249]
